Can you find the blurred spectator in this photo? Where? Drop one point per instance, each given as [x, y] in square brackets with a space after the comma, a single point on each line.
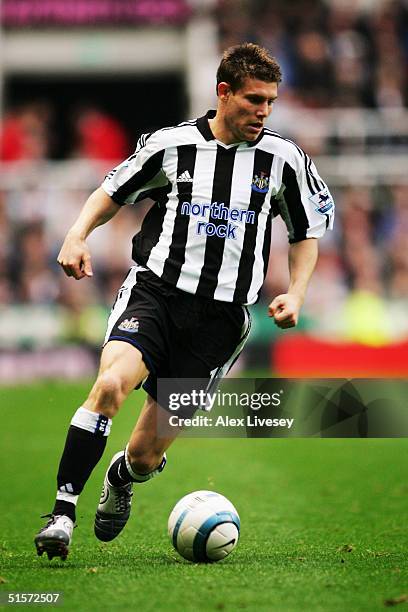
[390, 76]
[99, 136]
[6, 295]
[12, 138]
[35, 279]
[314, 79]
[350, 52]
[25, 134]
[396, 252]
[234, 22]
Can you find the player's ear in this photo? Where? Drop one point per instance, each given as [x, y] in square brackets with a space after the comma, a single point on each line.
[223, 90]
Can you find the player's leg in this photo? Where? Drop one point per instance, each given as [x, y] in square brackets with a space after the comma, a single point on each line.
[149, 440]
[143, 458]
[121, 369]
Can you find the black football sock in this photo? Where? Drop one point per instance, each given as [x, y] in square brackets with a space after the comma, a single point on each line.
[84, 446]
[118, 475]
[64, 507]
[121, 473]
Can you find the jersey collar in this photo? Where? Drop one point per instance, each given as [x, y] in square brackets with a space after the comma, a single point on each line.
[204, 128]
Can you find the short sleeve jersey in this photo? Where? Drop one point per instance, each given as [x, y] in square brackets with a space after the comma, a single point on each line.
[209, 231]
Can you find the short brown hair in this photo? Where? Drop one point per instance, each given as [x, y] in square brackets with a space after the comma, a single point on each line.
[247, 60]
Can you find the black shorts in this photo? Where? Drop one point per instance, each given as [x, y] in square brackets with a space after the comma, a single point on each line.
[180, 335]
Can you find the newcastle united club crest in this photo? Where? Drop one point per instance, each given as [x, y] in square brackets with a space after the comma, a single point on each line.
[130, 325]
[260, 183]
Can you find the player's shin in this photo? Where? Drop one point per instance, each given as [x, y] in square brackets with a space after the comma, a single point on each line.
[84, 446]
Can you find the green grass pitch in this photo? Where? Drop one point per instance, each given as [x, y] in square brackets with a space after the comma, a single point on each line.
[324, 522]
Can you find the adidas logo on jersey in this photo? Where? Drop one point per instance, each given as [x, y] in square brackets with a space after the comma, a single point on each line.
[184, 177]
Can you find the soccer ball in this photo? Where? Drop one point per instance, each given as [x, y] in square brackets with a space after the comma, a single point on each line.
[204, 526]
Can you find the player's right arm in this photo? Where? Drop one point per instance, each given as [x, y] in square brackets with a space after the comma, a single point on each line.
[128, 183]
[75, 257]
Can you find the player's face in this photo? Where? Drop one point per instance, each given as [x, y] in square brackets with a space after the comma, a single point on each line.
[246, 110]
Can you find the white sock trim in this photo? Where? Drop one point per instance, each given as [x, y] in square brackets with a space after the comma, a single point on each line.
[144, 477]
[68, 497]
[94, 422]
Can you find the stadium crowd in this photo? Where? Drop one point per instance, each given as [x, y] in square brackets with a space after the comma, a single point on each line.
[335, 56]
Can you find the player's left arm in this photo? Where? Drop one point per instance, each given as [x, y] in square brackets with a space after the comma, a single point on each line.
[285, 308]
[307, 207]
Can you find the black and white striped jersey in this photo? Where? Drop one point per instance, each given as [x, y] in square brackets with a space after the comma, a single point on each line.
[209, 231]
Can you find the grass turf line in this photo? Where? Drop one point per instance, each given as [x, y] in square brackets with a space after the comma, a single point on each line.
[323, 521]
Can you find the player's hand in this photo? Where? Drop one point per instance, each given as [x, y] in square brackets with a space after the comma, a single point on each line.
[75, 258]
[284, 309]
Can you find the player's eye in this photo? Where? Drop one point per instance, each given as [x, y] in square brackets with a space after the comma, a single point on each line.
[254, 99]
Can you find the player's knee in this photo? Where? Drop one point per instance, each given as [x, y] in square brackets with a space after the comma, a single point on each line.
[109, 394]
[143, 461]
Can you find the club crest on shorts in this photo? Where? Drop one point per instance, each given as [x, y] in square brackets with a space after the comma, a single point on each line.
[130, 325]
[322, 201]
[260, 183]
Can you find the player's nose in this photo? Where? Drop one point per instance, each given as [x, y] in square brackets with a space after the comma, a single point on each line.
[263, 110]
